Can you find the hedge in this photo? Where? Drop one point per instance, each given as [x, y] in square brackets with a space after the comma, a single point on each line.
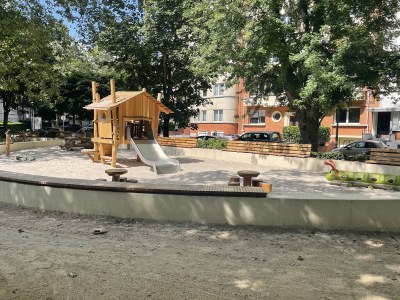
[217, 143]
[16, 126]
[291, 134]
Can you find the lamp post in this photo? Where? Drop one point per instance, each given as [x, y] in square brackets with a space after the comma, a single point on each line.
[337, 129]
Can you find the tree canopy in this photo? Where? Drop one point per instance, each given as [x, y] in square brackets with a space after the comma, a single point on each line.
[149, 43]
[312, 55]
[30, 41]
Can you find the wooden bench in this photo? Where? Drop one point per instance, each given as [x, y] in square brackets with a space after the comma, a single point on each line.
[278, 149]
[384, 156]
[178, 142]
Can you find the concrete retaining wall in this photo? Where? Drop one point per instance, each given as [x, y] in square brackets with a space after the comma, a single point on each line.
[281, 162]
[308, 211]
[32, 144]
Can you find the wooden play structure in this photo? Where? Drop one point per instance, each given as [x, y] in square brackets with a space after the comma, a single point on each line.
[114, 114]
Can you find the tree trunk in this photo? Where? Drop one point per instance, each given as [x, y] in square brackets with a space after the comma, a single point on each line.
[6, 108]
[309, 128]
[165, 127]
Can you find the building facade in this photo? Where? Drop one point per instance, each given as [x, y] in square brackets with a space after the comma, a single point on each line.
[233, 111]
[219, 116]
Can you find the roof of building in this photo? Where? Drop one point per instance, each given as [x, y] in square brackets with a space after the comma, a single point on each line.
[122, 97]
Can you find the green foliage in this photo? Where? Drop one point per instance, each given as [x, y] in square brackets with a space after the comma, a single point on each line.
[30, 42]
[328, 155]
[311, 54]
[324, 135]
[150, 46]
[291, 134]
[217, 143]
[16, 126]
[340, 156]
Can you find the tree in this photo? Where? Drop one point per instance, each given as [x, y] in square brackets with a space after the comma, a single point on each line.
[312, 55]
[80, 67]
[28, 48]
[150, 45]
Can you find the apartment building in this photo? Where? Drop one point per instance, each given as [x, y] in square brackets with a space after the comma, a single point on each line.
[219, 117]
[233, 111]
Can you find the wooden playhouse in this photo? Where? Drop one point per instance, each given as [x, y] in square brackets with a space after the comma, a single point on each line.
[134, 112]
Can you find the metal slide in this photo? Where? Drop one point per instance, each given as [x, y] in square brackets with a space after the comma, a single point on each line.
[150, 153]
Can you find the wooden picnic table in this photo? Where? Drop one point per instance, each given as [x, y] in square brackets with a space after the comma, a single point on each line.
[247, 176]
[116, 173]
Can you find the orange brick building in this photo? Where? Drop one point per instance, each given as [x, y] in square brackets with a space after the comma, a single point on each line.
[233, 111]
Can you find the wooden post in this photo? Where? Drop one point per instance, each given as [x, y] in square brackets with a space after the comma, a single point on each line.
[96, 154]
[112, 86]
[155, 117]
[8, 142]
[114, 126]
[94, 90]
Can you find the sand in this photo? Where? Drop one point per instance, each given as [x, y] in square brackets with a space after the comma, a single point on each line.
[51, 255]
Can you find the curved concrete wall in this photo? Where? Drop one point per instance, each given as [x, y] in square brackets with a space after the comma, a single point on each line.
[110, 199]
[32, 144]
[281, 162]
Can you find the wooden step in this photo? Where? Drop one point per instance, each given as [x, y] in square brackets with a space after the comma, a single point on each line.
[89, 151]
[105, 157]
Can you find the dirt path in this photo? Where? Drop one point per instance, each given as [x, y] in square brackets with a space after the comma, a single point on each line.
[48, 255]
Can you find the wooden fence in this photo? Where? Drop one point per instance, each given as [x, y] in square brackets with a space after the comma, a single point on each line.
[384, 156]
[279, 149]
[178, 142]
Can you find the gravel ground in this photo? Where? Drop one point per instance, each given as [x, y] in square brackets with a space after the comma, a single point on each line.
[50, 255]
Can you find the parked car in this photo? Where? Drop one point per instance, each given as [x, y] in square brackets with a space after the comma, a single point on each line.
[261, 136]
[360, 147]
[86, 131]
[49, 131]
[72, 127]
[205, 137]
[231, 137]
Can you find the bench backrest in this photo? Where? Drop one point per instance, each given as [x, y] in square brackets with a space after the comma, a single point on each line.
[384, 156]
[177, 142]
[279, 149]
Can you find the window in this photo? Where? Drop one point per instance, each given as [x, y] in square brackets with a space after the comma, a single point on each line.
[350, 115]
[218, 115]
[276, 116]
[204, 93]
[196, 118]
[203, 115]
[218, 89]
[257, 117]
[290, 119]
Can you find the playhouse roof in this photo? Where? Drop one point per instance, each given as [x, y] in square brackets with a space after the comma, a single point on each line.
[122, 97]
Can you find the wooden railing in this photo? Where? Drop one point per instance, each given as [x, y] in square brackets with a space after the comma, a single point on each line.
[384, 156]
[178, 142]
[279, 149]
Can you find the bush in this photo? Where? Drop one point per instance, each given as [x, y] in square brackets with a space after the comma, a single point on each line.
[291, 134]
[324, 135]
[216, 143]
[340, 156]
[16, 126]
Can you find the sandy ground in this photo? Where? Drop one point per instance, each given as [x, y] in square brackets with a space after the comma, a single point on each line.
[73, 164]
[47, 255]
[50, 255]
